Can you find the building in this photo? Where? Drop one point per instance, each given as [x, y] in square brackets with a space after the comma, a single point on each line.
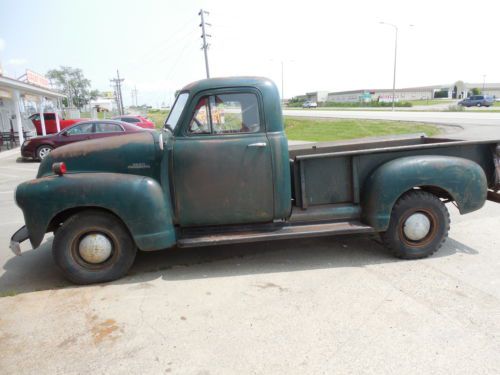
[103, 104]
[20, 99]
[458, 90]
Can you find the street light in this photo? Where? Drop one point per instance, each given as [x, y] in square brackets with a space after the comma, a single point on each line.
[283, 79]
[395, 58]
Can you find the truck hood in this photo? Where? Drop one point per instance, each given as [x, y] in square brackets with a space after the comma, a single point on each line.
[136, 153]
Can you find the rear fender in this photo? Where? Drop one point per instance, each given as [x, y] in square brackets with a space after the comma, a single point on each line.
[138, 201]
[463, 180]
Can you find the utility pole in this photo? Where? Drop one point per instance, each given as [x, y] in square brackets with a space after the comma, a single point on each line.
[395, 59]
[118, 92]
[282, 87]
[204, 36]
[134, 96]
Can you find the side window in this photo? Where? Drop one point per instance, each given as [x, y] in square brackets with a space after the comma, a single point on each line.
[200, 122]
[106, 127]
[235, 113]
[49, 116]
[131, 120]
[80, 129]
[226, 114]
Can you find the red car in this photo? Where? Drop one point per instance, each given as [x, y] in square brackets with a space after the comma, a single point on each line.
[40, 147]
[50, 122]
[141, 121]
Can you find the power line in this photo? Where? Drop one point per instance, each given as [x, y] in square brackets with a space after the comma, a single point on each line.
[204, 36]
[118, 92]
[161, 46]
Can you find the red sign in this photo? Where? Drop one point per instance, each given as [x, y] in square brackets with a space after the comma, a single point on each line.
[36, 79]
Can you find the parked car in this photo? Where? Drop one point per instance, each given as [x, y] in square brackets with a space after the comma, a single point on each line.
[477, 101]
[141, 121]
[310, 104]
[203, 183]
[40, 147]
[51, 124]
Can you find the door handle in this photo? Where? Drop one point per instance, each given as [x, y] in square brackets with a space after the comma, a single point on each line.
[258, 144]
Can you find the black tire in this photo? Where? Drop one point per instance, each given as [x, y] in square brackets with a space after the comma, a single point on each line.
[65, 248]
[413, 202]
[43, 151]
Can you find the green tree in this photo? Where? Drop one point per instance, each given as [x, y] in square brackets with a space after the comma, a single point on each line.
[73, 83]
[475, 91]
[94, 94]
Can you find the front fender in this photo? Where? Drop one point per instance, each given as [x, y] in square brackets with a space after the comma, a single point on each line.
[463, 180]
[137, 200]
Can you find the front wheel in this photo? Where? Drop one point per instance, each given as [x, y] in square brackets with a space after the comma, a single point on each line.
[93, 247]
[43, 151]
[419, 225]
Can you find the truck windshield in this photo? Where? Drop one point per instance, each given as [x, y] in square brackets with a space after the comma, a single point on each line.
[176, 111]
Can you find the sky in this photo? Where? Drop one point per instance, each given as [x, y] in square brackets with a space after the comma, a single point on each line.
[322, 45]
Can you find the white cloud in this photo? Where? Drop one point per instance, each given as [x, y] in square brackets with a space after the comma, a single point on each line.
[18, 61]
[2, 44]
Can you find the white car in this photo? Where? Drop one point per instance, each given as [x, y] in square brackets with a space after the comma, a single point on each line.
[310, 104]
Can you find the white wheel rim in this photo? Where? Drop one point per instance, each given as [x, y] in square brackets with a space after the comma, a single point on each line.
[44, 152]
[95, 248]
[417, 226]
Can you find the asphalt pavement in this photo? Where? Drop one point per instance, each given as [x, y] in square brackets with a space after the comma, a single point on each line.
[312, 306]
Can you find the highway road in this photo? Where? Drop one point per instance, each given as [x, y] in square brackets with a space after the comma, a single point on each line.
[474, 125]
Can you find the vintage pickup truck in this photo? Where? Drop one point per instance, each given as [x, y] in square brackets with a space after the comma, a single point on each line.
[221, 172]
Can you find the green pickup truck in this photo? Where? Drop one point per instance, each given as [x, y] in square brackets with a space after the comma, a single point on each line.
[221, 172]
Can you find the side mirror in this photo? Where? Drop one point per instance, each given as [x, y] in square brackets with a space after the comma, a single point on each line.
[65, 134]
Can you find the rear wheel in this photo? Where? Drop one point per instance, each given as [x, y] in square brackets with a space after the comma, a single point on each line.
[93, 247]
[43, 151]
[419, 225]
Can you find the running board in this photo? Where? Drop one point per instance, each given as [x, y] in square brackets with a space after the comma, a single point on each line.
[276, 233]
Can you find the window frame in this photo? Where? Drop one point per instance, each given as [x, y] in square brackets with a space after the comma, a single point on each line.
[225, 91]
[107, 123]
[80, 124]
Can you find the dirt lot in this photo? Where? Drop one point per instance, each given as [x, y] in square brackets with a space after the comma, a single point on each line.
[329, 305]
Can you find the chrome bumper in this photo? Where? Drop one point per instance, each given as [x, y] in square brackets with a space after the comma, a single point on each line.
[16, 239]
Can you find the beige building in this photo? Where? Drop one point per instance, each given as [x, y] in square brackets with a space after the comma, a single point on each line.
[458, 90]
[19, 100]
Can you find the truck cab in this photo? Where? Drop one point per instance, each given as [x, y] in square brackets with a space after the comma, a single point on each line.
[232, 136]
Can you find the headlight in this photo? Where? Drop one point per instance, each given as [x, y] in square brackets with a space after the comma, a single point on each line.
[26, 142]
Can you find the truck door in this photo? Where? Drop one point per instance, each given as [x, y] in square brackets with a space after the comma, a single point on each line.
[222, 162]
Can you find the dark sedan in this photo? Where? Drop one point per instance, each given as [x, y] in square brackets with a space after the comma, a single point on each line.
[40, 147]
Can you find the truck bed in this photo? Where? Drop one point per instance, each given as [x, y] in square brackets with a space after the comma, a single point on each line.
[334, 173]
